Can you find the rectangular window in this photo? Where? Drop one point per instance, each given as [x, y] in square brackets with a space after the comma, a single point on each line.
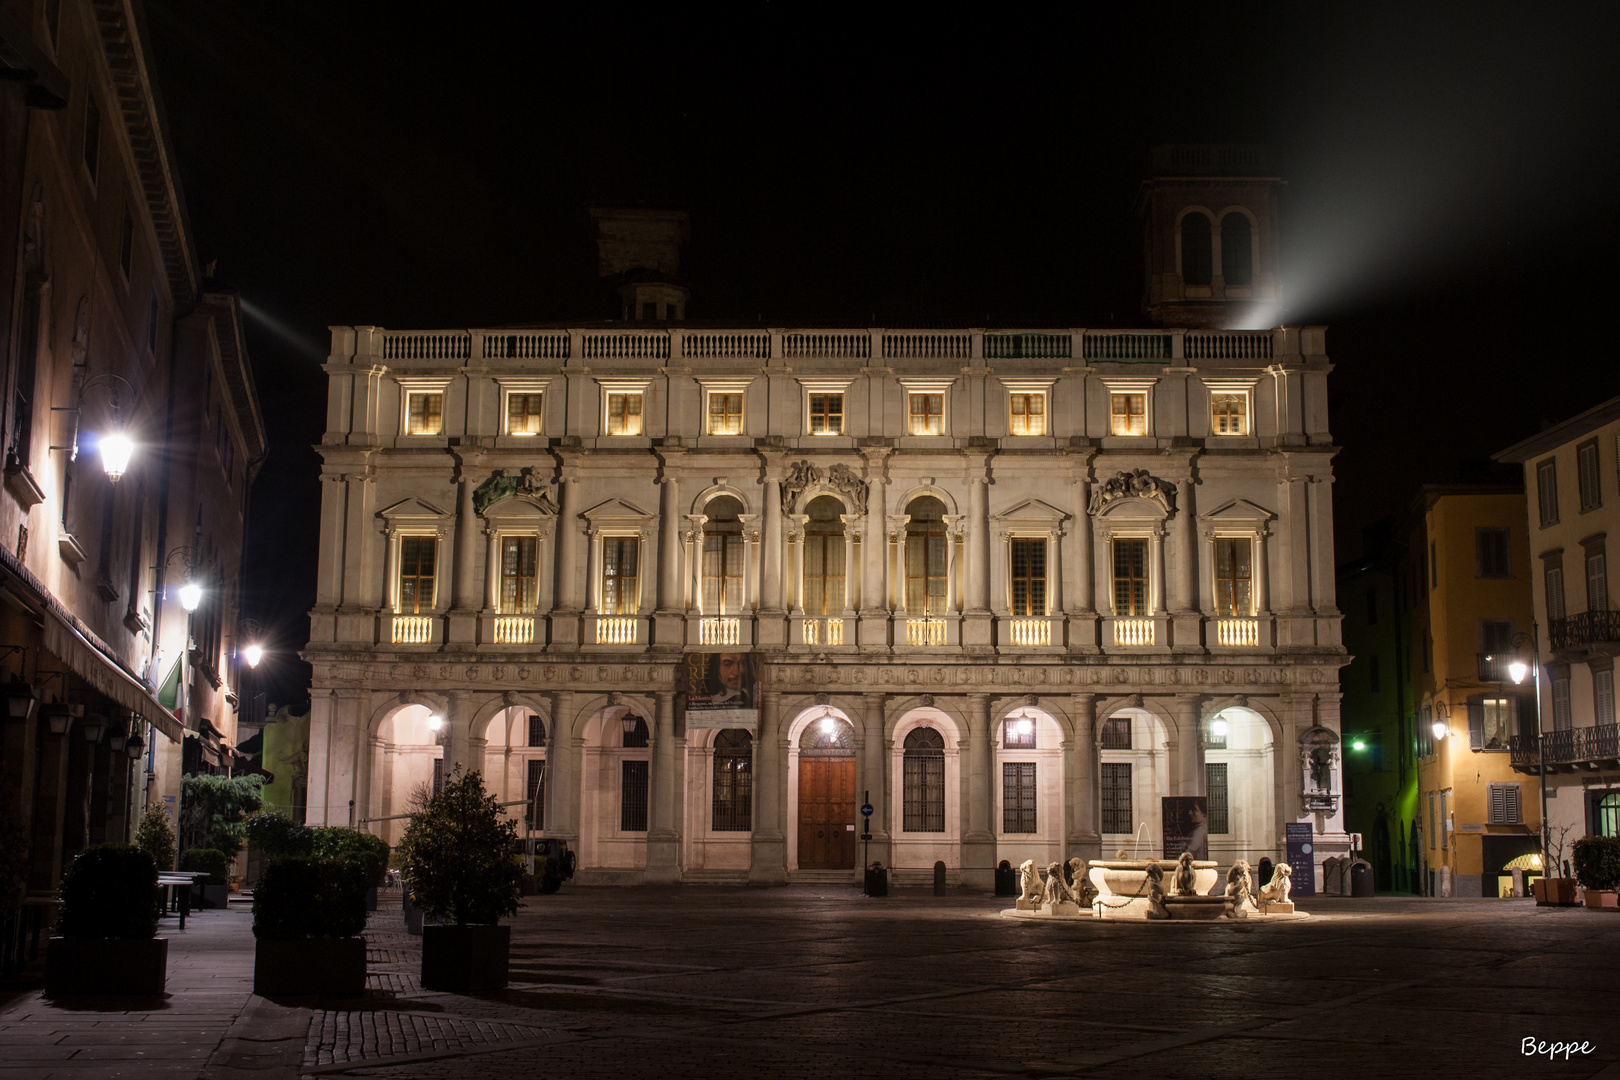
[1018, 796]
[823, 568]
[1215, 785]
[732, 807]
[1229, 414]
[725, 414]
[1496, 637]
[424, 412]
[1491, 553]
[1555, 589]
[927, 414]
[826, 414]
[1547, 491]
[1561, 711]
[1586, 468]
[1505, 804]
[722, 573]
[1372, 674]
[925, 568]
[523, 414]
[535, 792]
[418, 561]
[1489, 723]
[519, 577]
[923, 789]
[126, 243]
[624, 414]
[92, 134]
[1234, 593]
[632, 796]
[1130, 576]
[620, 555]
[1018, 734]
[1026, 414]
[1116, 797]
[1028, 576]
[1603, 697]
[1127, 414]
[537, 730]
[1116, 733]
[1597, 581]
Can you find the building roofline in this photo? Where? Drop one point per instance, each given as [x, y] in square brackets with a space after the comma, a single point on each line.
[1561, 433]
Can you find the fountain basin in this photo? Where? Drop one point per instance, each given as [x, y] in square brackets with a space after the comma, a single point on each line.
[1128, 877]
[1195, 908]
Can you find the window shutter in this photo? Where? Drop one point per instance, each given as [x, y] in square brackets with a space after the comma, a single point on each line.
[1510, 802]
[1498, 801]
[1476, 725]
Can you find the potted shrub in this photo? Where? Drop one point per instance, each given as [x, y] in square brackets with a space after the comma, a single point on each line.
[371, 852]
[155, 836]
[106, 926]
[458, 864]
[1597, 868]
[1552, 890]
[308, 914]
[214, 890]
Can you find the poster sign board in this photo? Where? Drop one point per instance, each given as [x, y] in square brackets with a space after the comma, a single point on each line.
[1186, 826]
[1301, 844]
[722, 690]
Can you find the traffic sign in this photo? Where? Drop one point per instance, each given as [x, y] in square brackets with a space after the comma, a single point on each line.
[866, 808]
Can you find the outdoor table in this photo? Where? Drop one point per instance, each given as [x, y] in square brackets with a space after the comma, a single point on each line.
[181, 901]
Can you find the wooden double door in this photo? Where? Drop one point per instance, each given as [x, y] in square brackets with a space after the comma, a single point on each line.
[827, 811]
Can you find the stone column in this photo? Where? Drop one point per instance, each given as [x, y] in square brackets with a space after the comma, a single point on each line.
[874, 617]
[570, 568]
[1188, 765]
[1156, 562]
[1084, 790]
[544, 555]
[1186, 597]
[1262, 575]
[771, 583]
[466, 575]
[768, 861]
[851, 530]
[669, 544]
[978, 786]
[663, 839]
[1054, 571]
[1081, 583]
[492, 570]
[564, 760]
[875, 774]
[978, 545]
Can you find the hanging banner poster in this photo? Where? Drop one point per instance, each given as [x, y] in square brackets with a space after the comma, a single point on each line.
[1186, 826]
[1301, 844]
[722, 690]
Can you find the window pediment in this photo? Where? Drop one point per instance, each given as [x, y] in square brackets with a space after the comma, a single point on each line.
[523, 494]
[413, 513]
[1134, 493]
[1239, 515]
[1031, 514]
[616, 514]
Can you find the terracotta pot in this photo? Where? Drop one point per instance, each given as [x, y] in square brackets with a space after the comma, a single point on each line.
[1608, 899]
[105, 966]
[465, 958]
[328, 967]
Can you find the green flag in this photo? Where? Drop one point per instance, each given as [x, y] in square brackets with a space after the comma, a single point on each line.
[168, 694]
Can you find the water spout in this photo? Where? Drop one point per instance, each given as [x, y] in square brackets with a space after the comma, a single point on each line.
[1136, 848]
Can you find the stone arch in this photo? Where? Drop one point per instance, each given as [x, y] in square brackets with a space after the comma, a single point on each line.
[714, 491]
[429, 700]
[1051, 705]
[1152, 706]
[1259, 707]
[589, 709]
[815, 491]
[477, 726]
[910, 495]
[950, 707]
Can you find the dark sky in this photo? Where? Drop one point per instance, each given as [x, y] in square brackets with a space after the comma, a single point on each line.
[1451, 210]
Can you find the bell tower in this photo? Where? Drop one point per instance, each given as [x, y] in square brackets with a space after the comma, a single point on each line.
[1209, 222]
[639, 253]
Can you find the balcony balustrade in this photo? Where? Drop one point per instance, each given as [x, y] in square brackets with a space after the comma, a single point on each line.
[721, 630]
[1587, 628]
[1133, 632]
[824, 631]
[1032, 633]
[412, 630]
[925, 631]
[1237, 632]
[514, 629]
[1569, 748]
[616, 629]
[1493, 667]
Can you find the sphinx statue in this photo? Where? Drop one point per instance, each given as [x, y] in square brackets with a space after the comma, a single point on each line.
[1274, 893]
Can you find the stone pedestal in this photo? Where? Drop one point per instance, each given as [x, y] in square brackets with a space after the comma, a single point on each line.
[1276, 907]
[1061, 907]
[1027, 905]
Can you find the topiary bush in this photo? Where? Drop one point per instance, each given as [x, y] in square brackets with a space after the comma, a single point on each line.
[1597, 862]
[109, 891]
[155, 836]
[272, 833]
[208, 861]
[371, 852]
[457, 858]
[305, 897]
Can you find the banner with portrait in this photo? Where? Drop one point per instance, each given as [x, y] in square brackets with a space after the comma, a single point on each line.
[722, 690]
[1186, 826]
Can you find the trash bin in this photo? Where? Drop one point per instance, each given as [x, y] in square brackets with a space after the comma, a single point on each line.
[877, 880]
[1006, 879]
[1263, 872]
[1361, 879]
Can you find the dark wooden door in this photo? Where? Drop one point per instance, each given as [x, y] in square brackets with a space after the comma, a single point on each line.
[827, 812]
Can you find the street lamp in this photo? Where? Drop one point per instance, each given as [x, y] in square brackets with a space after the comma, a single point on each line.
[1518, 668]
[116, 446]
[1442, 721]
[190, 596]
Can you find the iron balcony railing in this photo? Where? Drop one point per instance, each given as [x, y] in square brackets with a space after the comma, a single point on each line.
[1587, 628]
[1493, 667]
[1575, 746]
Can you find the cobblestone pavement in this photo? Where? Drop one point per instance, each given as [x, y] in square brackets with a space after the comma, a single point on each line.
[808, 981]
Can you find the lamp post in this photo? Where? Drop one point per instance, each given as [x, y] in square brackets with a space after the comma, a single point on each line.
[251, 632]
[115, 444]
[1517, 670]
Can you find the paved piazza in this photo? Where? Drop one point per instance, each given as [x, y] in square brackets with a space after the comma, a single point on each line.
[813, 981]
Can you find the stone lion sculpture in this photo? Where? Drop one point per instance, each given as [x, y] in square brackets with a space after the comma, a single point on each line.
[1083, 890]
[1185, 880]
[1237, 890]
[1057, 890]
[1155, 885]
[1277, 889]
[1029, 883]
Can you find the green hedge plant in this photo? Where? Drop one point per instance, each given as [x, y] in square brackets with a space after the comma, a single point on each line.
[109, 891]
[300, 896]
[272, 833]
[457, 857]
[371, 852]
[216, 864]
[1597, 862]
[155, 836]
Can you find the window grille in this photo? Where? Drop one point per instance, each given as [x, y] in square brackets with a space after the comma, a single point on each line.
[537, 730]
[1586, 460]
[1130, 576]
[1234, 577]
[1491, 553]
[1018, 797]
[1116, 797]
[1028, 576]
[1547, 491]
[417, 558]
[826, 414]
[1116, 733]
[519, 575]
[1215, 784]
[535, 791]
[923, 782]
[733, 781]
[633, 796]
[438, 775]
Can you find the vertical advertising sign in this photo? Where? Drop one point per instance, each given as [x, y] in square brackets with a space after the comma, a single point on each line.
[1186, 826]
[1301, 844]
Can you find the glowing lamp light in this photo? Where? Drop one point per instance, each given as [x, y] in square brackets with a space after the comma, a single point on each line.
[829, 724]
[1358, 745]
[254, 654]
[435, 722]
[190, 596]
[1439, 730]
[1517, 670]
[1219, 726]
[1025, 725]
[116, 450]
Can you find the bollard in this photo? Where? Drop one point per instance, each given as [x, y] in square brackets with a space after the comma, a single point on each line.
[939, 879]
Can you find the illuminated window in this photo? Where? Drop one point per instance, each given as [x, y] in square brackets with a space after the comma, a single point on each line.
[523, 414]
[1028, 562]
[722, 557]
[418, 560]
[927, 414]
[925, 557]
[519, 579]
[725, 414]
[826, 414]
[1026, 414]
[620, 558]
[1018, 733]
[1229, 414]
[624, 414]
[1234, 576]
[1130, 576]
[733, 781]
[1127, 413]
[824, 557]
[922, 784]
[424, 412]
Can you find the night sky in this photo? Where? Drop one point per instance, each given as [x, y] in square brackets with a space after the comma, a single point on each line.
[1451, 212]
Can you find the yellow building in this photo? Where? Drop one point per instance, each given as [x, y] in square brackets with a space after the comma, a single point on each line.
[1470, 587]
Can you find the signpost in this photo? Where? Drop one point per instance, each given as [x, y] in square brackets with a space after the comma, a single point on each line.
[866, 841]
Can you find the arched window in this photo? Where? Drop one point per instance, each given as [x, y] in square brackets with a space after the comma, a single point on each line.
[635, 731]
[1607, 814]
[923, 781]
[925, 557]
[1237, 252]
[722, 557]
[836, 737]
[1195, 250]
[733, 781]
[824, 558]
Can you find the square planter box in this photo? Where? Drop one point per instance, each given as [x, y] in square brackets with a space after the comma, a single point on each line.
[1555, 892]
[465, 958]
[328, 967]
[106, 966]
[210, 896]
[1607, 899]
